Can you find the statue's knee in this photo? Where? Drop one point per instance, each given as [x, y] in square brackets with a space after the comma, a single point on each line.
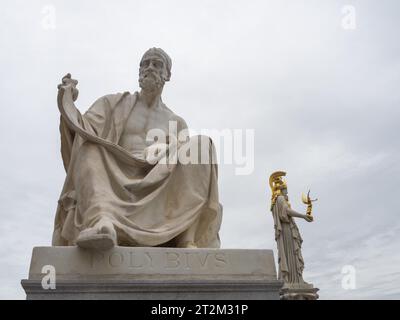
[204, 141]
[201, 149]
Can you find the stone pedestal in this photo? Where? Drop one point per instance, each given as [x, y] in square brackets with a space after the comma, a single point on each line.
[152, 273]
[304, 291]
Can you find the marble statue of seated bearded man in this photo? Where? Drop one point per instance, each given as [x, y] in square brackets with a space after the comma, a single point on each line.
[121, 187]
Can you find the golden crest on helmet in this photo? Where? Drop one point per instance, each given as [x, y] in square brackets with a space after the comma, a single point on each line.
[276, 184]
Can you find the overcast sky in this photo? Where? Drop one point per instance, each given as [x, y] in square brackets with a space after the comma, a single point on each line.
[323, 101]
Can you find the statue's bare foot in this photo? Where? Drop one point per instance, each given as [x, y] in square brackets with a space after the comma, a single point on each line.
[189, 245]
[101, 237]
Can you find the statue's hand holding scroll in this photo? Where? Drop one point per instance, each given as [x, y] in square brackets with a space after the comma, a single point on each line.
[69, 84]
[67, 95]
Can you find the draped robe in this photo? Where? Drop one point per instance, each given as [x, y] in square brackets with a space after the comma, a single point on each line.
[289, 241]
[149, 205]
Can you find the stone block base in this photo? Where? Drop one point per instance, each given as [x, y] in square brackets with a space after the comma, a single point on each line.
[152, 273]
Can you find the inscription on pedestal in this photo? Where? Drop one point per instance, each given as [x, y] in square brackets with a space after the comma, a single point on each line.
[145, 260]
[160, 263]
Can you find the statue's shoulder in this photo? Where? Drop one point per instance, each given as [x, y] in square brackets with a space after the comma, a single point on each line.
[280, 199]
[111, 100]
[114, 98]
[174, 117]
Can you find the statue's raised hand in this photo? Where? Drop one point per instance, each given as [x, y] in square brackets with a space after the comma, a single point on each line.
[308, 218]
[69, 84]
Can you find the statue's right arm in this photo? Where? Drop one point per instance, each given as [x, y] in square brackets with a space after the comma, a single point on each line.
[290, 212]
[294, 214]
[67, 94]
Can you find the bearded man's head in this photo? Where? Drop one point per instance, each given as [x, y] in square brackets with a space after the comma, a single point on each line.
[155, 70]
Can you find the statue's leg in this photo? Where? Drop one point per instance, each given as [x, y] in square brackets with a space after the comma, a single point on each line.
[93, 197]
[187, 238]
[201, 167]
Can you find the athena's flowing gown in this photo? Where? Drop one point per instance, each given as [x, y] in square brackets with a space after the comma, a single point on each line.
[287, 236]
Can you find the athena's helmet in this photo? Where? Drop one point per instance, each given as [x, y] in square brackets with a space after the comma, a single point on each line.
[277, 184]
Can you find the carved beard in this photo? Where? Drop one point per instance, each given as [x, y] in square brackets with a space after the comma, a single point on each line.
[151, 81]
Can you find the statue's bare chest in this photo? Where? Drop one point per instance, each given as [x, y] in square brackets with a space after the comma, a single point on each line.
[142, 119]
